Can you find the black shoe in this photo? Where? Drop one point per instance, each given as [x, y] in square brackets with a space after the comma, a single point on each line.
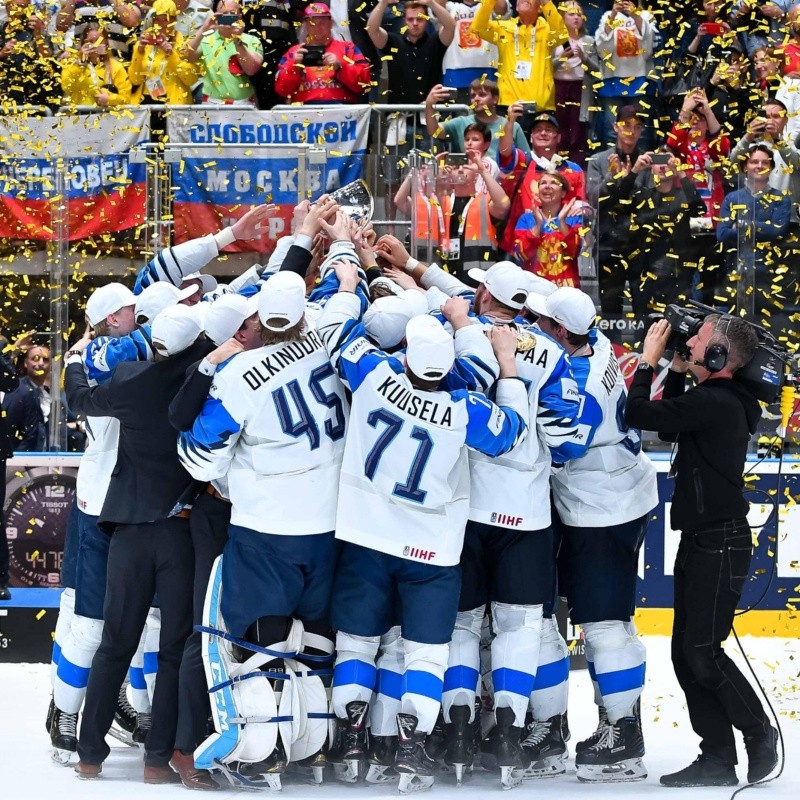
[4, 593]
[350, 740]
[602, 724]
[64, 731]
[621, 741]
[704, 771]
[501, 748]
[762, 755]
[460, 738]
[412, 757]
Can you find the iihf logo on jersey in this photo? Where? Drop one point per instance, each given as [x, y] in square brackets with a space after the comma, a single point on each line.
[422, 555]
[505, 519]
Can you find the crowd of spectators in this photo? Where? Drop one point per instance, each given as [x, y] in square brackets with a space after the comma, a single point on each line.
[652, 122]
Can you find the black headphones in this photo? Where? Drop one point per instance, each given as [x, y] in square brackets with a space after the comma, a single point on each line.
[716, 357]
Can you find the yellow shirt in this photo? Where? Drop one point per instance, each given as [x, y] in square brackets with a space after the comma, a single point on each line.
[81, 81]
[524, 68]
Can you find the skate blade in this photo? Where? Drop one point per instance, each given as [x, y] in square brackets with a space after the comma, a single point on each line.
[631, 769]
[546, 768]
[410, 783]
[510, 777]
[349, 771]
[461, 771]
[239, 781]
[121, 735]
[61, 757]
[378, 773]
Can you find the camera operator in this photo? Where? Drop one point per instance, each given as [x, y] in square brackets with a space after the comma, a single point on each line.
[711, 423]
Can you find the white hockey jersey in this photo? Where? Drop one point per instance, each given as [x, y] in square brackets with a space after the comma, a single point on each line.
[405, 476]
[513, 491]
[614, 482]
[274, 422]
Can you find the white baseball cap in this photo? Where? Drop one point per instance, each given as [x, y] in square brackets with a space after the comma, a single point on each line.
[207, 282]
[282, 301]
[505, 281]
[431, 350]
[174, 329]
[227, 314]
[158, 296]
[107, 300]
[386, 319]
[568, 306]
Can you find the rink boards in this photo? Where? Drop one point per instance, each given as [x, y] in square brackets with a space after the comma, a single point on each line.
[40, 490]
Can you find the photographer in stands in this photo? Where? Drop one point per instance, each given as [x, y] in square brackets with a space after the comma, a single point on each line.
[323, 70]
[712, 424]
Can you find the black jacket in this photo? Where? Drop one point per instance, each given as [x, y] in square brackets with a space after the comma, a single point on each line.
[712, 423]
[8, 383]
[148, 480]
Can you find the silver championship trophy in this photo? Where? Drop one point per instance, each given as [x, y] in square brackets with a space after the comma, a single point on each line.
[355, 200]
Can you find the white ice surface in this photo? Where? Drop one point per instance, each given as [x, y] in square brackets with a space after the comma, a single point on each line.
[26, 772]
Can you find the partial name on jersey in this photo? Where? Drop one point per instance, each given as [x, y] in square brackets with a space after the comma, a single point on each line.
[270, 366]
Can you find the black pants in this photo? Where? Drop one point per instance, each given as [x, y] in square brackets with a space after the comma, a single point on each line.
[209, 529]
[143, 559]
[710, 570]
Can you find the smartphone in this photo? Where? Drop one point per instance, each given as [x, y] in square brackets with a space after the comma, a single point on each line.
[661, 158]
[529, 108]
[456, 160]
[313, 56]
[713, 28]
[227, 19]
[452, 93]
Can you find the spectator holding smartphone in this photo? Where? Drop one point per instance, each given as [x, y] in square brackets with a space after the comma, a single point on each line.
[227, 56]
[92, 76]
[322, 70]
[158, 71]
[484, 95]
[576, 68]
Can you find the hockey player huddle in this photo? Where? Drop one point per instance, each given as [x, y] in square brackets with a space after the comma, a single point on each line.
[404, 473]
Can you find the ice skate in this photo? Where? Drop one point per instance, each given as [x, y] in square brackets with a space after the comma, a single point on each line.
[312, 769]
[412, 762]
[142, 728]
[124, 723]
[63, 736]
[51, 710]
[348, 752]
[616, 757]
[501, 749]
[544, 749]
[460, 742]
[382, 752]
[264, 774]
[602, 724]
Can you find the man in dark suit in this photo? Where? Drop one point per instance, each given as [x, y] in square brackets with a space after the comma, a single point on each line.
[146, 515]
[8, 382]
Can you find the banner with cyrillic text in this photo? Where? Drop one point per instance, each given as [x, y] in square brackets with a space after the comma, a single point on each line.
[233, 159]
[81, 157]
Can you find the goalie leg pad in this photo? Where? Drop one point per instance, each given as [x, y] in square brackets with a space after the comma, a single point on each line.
[242, 696]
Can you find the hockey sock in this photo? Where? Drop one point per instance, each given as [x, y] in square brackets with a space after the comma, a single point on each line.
[464, 662]
[551, 686]
[72, 675]
[388, 686]
[66, 612]
[354, 674]
[423, 679]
